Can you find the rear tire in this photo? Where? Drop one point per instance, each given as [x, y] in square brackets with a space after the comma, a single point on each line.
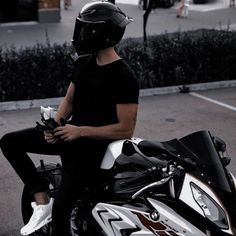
[51, 173]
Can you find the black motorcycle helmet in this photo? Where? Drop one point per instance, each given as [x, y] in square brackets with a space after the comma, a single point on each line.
[100, 25]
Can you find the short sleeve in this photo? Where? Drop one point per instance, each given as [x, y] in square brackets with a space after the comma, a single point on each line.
[127, 88]
[80, 66]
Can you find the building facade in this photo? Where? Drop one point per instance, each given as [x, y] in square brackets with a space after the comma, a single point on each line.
[29, 10]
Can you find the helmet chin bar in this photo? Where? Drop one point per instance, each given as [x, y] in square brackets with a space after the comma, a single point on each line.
[90, 48]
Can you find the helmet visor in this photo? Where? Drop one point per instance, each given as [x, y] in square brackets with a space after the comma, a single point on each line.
[86, 37]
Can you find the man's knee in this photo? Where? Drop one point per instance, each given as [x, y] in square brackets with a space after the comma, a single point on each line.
[6, 142]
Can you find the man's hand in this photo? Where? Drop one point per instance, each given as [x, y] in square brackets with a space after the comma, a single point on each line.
[50, 137]
[67, 132]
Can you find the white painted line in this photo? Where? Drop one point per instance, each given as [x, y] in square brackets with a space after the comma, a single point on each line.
[213, 101]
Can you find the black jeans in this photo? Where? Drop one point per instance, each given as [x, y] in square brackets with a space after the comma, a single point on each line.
[80, 161]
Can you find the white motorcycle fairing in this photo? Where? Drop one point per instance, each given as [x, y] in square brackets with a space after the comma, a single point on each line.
[210, 212]
[113, 219]
[114, 150]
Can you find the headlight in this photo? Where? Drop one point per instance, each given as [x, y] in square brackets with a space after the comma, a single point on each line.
[210, 207]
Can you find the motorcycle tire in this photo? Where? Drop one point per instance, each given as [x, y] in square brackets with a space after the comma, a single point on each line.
[81, 221]
[52, 173]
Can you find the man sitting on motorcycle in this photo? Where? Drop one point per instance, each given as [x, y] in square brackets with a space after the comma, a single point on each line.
[102, 102]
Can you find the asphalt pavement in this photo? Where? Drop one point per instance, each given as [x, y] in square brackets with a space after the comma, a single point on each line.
[160, 117]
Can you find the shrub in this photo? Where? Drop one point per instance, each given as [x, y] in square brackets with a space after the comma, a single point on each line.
[181, 58]
[37, 72]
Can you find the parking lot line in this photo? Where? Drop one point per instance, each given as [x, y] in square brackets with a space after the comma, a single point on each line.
[213, 101]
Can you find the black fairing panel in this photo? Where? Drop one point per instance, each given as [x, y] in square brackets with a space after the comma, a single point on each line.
[196, 152]
[201, 143]
[129, 171]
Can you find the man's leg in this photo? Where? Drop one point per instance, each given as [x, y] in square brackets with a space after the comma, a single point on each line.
[81, 161]
[15, 146]
[69, 193]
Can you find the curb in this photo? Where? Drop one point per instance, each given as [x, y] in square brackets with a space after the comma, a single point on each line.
[190, 87]
[29, 104]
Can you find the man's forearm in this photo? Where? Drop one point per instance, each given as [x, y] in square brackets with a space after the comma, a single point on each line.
[64, 110]
[113, 131]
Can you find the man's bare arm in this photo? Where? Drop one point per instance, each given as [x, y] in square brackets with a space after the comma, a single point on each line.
[65, 107]
[124, 128]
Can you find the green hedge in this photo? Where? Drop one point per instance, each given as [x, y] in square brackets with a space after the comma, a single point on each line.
[181, 58]
[42, 71]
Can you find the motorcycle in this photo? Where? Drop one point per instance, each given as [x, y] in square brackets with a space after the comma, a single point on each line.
[177, 187]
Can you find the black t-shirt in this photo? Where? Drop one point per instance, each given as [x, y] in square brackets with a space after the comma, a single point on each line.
[99, 88]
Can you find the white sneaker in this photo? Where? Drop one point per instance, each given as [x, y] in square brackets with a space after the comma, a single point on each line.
[42, 215]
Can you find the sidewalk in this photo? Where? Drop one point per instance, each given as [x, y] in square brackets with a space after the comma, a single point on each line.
[214, 14]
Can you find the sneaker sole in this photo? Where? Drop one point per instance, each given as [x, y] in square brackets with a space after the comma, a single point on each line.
[44, 222]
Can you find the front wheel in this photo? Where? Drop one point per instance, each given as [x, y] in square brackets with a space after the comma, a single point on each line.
[51, 173]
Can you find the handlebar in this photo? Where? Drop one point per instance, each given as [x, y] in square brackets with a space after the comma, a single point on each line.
[151, 173]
